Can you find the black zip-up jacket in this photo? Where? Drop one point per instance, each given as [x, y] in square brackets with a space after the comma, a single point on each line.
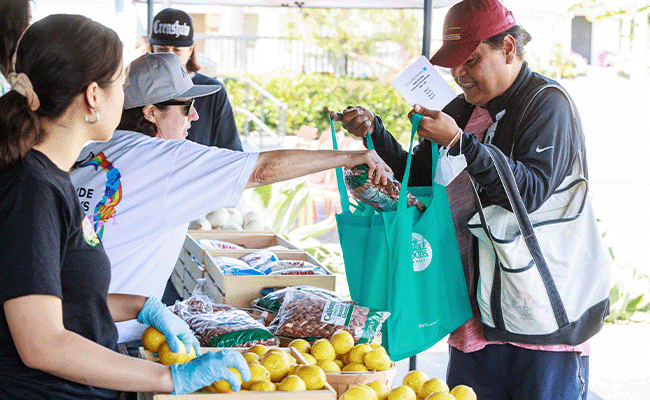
[541, 150]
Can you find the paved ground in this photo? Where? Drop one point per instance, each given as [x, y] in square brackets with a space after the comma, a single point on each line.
[619, 363]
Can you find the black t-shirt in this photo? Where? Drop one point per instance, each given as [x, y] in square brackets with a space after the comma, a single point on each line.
[48, 247]
[216, 124]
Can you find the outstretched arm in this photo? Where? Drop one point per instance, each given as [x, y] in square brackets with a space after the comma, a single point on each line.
[280, 165]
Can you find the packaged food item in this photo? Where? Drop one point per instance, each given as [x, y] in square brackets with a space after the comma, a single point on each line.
[378, 196]
[296, 267]
[273, 300]
[259, 258]
[214, 244]
[233, 266]
[306, 316]
[230, 328]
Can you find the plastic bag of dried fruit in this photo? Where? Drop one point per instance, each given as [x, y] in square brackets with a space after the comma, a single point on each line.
[381, 197]
[272, 301]
[306, 316]
[230, 328]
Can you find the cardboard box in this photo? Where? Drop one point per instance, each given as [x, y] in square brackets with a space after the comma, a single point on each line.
[327, 393]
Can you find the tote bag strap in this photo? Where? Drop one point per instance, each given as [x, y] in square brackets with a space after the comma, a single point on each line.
[526, 228]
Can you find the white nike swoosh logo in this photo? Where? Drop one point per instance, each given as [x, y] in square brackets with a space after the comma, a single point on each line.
[545, 148]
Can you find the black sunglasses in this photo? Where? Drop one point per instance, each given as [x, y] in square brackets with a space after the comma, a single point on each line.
[189, 105]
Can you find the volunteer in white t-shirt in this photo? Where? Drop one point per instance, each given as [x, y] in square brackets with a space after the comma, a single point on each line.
[141, 192]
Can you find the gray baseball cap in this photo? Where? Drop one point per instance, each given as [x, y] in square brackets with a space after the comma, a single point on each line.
[154, 78]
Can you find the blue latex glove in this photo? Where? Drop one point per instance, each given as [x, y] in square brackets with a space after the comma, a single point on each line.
[209, 368]
[156, 314]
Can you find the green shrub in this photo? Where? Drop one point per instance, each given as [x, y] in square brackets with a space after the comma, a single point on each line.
[310, 97]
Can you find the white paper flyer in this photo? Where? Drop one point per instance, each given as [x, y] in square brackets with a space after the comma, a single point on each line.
[422, 84]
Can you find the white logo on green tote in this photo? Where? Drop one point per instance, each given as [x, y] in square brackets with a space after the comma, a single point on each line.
[421, 252]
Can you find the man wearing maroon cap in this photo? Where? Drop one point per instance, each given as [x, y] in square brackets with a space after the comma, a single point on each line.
[484, 49]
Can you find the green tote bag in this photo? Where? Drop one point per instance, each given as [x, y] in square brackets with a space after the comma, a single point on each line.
[405, 262]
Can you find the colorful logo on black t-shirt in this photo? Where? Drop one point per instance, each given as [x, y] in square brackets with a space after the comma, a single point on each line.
[105, 209]
[89, 232]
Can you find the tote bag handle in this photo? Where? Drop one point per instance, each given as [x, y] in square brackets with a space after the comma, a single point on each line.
[401, 203]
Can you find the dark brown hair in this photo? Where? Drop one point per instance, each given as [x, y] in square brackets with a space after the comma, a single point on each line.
[15, 19]
[192, 64]
[522, 37]
[61, 54]
[133, 120]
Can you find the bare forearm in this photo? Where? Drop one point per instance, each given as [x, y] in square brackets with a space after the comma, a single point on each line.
[280, 165]
[124, 307]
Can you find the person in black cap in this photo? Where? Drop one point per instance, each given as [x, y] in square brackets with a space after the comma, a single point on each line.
[173, 32]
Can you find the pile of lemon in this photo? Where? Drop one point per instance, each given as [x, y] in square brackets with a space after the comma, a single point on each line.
[271, 369]
[416, 385]
[339, 353]
[276, 369]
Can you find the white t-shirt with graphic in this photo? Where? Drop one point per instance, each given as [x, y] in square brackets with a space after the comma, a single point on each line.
[142, 192]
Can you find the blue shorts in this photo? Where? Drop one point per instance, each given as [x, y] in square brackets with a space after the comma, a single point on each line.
[507, 372]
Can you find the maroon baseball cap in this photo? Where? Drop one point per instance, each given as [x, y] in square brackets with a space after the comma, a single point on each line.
[467, 24]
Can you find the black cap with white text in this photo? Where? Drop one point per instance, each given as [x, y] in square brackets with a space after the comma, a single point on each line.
[172, 27]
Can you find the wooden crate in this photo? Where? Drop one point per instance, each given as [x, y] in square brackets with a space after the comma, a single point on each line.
[241, 290]
[344, 380]
[327, 393]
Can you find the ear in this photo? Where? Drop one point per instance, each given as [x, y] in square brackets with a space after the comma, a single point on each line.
[92, 96]
[149, 112]
[510, 48]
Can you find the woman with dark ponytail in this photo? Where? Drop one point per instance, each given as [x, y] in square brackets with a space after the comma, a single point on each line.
[57, 333]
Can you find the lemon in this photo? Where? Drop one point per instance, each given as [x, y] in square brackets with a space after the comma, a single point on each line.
[345, 358]
[283, 353]
[223, 386]
[415, 380]
[301, 345]
[251, 357]
[258, 349]
[329, 366]
[254, 362]
[377, 360]
[342, 341]
[309, 358]
[355, 367]
[359, 392]
[376, 345]
[380, 388]
[339, 363]
[356, 354]
[258, 373]
[277, 364]
[293, 368]
[292, 383]
[322, 350]
[262, 386]
[440, 396]
[167, 357]
[152, 339]
[432, 386]
[313, 376]
[402, 393]
[462, 392]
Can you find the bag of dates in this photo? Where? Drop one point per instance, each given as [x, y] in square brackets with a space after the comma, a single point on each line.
[230, 328]
[306, 316]
[383, 198]
[272, 301]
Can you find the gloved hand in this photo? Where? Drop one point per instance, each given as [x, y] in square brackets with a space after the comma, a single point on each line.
[156, 314]
[209, 368]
